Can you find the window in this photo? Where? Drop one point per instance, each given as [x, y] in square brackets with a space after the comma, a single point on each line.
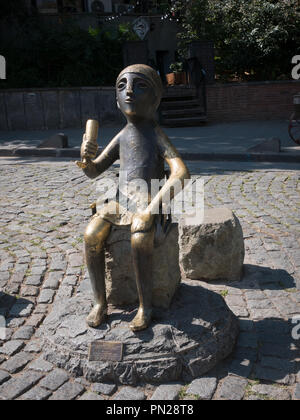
[72, 6]
[57, 6]
[47, 6]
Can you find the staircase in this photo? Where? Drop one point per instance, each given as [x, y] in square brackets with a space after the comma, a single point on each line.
[180, 107]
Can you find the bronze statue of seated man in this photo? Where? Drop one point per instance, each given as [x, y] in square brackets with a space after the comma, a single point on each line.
[142, 148]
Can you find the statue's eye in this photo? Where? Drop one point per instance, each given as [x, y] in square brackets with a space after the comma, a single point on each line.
[121, 85]
[142, 85]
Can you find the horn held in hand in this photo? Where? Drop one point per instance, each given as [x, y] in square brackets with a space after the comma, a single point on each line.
[89, 146]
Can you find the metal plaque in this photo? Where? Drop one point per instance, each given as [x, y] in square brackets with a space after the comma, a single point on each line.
[106, 350]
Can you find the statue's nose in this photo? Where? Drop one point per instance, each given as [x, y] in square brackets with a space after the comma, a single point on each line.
[129, 89]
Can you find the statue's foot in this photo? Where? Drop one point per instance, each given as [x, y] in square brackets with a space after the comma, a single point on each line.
[97, 316]
[142, 319]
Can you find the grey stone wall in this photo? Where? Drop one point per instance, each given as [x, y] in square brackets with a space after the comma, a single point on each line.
[39, 109]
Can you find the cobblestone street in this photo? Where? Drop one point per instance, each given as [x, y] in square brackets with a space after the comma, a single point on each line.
[44, 209]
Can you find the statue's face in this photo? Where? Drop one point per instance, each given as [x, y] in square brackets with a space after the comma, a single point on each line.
[136, 96]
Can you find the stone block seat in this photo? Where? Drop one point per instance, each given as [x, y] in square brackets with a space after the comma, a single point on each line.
[120, 280]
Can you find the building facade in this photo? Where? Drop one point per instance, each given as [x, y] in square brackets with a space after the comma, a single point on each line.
[157, 33]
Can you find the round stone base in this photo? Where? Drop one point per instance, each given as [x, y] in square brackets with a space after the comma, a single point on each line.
[182, 342]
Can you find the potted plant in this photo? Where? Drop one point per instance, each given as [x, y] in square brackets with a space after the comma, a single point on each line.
[178, 76]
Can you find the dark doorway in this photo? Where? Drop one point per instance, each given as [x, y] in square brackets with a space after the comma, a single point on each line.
[162, 64]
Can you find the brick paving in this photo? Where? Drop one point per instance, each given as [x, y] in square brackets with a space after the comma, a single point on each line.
[43, 211]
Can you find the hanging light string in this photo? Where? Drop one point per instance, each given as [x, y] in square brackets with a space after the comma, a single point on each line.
[173, 15]
[119, 14]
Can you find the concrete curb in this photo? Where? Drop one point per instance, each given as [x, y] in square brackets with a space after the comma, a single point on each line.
[238, 157]
[244, 157]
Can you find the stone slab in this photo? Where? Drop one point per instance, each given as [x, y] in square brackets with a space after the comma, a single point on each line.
[168, 392]
[33, 110]
[90, 396]
[19, 385]
[129, 393]
[271, 392]
[297, 392]
[54, 380]
[272, 145]
[203, 388]
[67, 392]
[233, 388]
[58, 141]
[105, 389]
[36, 394]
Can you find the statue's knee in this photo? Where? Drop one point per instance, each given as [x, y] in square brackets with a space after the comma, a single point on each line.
[96, 233]
[141, 241]
[90, 236]
[136, 240]
[93, 237]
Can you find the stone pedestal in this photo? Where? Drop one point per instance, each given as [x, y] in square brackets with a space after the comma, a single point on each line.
[213, 250]
[181, 343]
[120, 279]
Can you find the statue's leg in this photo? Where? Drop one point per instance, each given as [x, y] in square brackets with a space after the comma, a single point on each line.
[142, 252]
[95, 235]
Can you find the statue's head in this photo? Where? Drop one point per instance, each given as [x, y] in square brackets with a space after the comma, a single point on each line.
[139, 91]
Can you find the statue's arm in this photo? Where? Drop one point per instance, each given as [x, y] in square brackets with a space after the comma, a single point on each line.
[179, 171]
[108, 156]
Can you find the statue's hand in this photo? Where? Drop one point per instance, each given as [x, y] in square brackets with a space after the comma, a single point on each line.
[88, 149]
[84, 163]
[142, 222]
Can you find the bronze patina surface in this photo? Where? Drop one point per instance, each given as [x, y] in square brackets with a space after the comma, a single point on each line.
[106, 351]
[142, 148]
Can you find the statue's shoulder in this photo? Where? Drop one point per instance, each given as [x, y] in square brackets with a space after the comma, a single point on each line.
[166, 148]
[119, 137]
[123, 134]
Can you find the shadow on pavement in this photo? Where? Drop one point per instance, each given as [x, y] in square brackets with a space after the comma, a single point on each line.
[11, 307]
[261, 278]
[268, 349]
[267, 278]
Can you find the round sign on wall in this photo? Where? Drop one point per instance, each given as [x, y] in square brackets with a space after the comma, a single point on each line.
[141, 27]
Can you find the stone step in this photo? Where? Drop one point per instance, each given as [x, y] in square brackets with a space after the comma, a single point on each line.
[183, 112]
[184, 122]
[179, 91]
[180, 107]
[174, 98]
[179, 103]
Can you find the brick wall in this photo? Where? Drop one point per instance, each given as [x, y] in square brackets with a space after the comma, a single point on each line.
[251, 101]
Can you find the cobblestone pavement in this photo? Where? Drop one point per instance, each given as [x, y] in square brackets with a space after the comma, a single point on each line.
[44, 208]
